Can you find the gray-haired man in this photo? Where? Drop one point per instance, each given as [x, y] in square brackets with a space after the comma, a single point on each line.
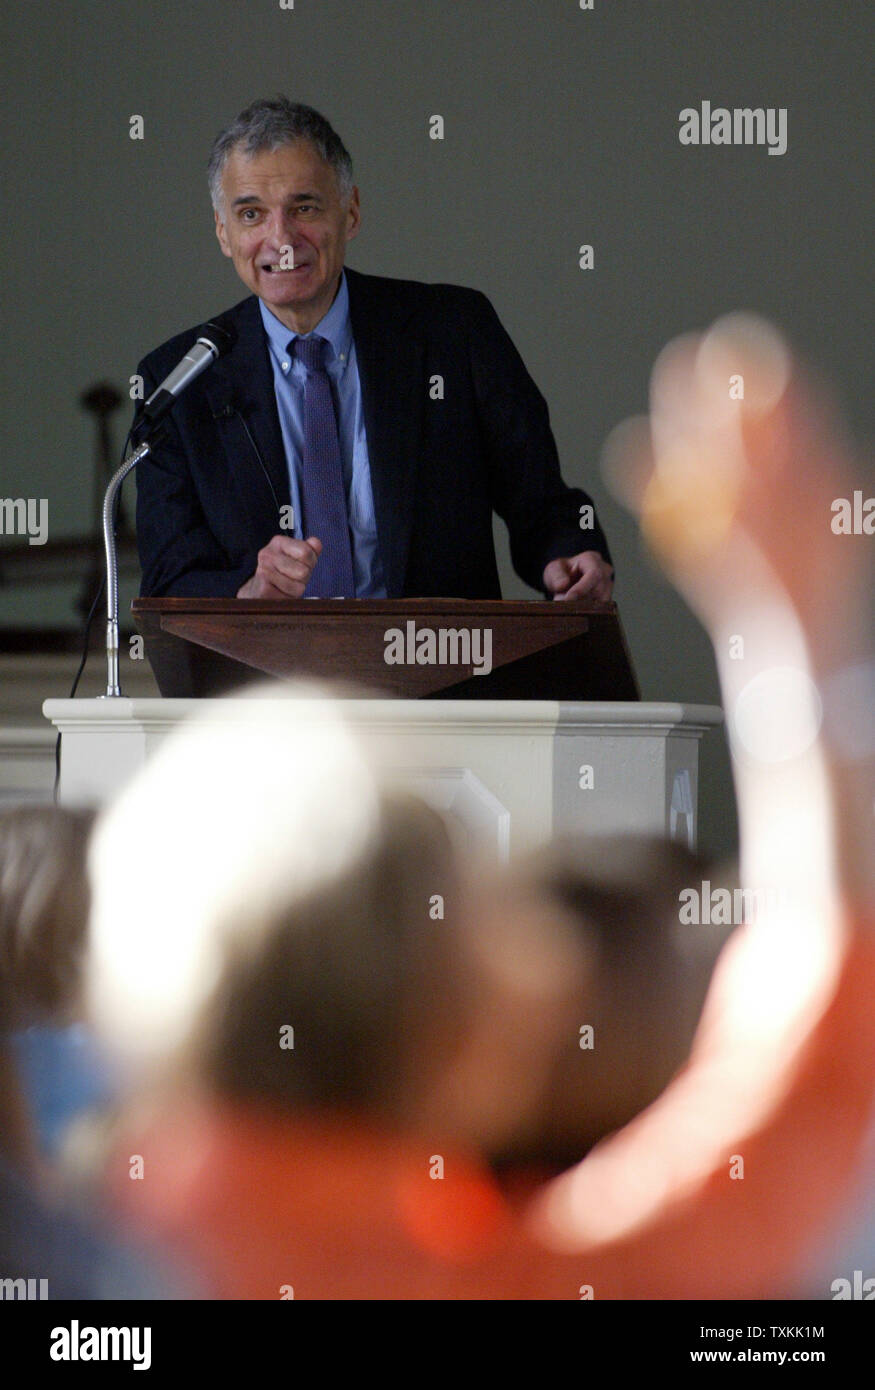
[362, 430]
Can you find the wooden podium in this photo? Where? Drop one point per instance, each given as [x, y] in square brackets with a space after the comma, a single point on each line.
[448, 649]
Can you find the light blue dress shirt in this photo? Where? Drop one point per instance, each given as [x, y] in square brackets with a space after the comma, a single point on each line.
[289, 376]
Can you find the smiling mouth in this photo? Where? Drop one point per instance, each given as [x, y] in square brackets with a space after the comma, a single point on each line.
[277, 269]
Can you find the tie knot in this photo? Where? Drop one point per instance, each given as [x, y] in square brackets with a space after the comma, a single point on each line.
[310, 351]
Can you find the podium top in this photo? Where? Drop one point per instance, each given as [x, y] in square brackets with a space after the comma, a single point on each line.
[430, 648]
[528, 608]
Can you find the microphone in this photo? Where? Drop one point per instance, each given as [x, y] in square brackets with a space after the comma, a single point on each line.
[213, 341]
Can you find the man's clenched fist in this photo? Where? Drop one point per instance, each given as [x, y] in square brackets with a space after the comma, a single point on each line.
[284, 568]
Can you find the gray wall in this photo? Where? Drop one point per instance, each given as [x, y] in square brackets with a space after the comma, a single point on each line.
[561, 128]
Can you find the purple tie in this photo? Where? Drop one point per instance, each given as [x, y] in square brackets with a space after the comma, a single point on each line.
[323, 494]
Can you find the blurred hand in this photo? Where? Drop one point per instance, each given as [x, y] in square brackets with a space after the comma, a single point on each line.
[284, 568]
[735, 492]
[735, 475]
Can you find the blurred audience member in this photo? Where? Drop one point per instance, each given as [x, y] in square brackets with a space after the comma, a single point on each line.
[648, 967]
[721, 1188]
[52, 1062]
[46, 1250]
[339, 1025]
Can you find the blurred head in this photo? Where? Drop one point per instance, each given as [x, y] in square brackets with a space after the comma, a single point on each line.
[647, 975]
[309, 938]
[43, 924]
[43, 911]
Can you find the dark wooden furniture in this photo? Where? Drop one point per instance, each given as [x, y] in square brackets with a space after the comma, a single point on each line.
[539, 651]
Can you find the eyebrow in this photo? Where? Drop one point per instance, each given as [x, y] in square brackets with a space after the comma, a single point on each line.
[246, 198]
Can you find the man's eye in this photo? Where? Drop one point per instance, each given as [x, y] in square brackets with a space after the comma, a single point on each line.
[249, 214]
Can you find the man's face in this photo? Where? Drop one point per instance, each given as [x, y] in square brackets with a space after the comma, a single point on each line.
[279, 199]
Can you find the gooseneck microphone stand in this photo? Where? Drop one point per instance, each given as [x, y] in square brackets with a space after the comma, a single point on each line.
[112, 676]
[214, 340]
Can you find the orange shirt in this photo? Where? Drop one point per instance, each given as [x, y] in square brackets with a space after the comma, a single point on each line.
[331, 1209]
[260, 1205]
[738, 1232]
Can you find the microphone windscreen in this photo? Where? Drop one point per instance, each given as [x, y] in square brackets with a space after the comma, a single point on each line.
[222, 335]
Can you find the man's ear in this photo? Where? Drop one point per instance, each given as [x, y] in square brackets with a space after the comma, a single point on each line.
[221, 234]
[354, 216]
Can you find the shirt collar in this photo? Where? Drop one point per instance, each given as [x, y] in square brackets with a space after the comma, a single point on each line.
[334, 327]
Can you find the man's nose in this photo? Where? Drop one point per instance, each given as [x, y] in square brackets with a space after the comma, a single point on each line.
[281, 229]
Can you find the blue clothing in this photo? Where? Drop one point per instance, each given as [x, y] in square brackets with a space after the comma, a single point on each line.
[66, 1257]
[63, 1075]
[289, 377]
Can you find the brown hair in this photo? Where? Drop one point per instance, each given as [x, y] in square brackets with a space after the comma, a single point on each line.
[368, 977]
[647, 980]
[44, 900]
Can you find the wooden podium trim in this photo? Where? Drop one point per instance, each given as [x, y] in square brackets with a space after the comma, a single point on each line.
[538, 650]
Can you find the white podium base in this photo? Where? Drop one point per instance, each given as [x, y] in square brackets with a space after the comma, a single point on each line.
[515, 773]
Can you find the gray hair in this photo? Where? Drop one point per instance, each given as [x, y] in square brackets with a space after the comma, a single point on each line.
[270, 123]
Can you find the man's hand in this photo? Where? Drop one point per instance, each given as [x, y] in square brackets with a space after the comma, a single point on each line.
[284, 568]
[587, 575]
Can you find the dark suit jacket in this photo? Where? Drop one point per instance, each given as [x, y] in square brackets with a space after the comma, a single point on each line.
[206, 505]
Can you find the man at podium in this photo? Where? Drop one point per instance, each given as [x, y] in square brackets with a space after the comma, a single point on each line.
[359, 433]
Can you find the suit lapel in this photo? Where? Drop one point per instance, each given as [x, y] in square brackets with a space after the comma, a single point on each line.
[241, 384]
[390, 354]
